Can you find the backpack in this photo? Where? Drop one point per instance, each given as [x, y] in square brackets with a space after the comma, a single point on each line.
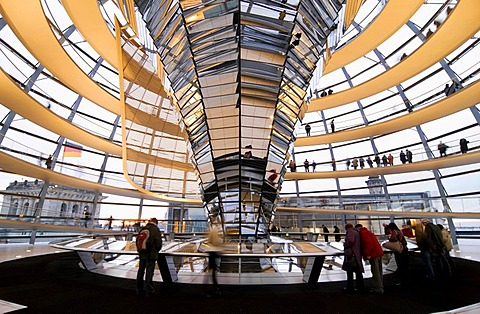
[143, 240]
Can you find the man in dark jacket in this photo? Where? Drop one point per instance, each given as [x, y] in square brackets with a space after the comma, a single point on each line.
[148, 259]
[325, 232]
[430, 242]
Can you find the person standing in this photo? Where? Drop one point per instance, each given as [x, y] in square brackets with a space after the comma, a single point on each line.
[377, 160]
[248, 153]
[214, 247]
[447, 240]
[403, 157]
[110, 220]
[355, 163]
[385, 160]
[430, 242]
[332, 126]
[449, 89]
[348, 164]
[372, 252]
[49, 162]
[314, 165]
[306, 164]
[362, 162]
[147, 258]
[442, 148]
[336, 231]
[86, 216]
[369, 162]
[352, 250]
[307, 129]
[325, 232]
[402, 258]
[409, 156]
[390, 159]
[292, 165]
[446, 90]
[464, 145]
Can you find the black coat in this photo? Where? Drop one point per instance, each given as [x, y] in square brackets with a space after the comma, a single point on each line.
[155, 240]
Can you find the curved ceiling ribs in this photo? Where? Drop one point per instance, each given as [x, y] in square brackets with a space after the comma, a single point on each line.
[463, 99]
[89, 21]
[43, 44]
[148, 109]
[14, 98]
[393, 16]
[12, 164]
[461, 24]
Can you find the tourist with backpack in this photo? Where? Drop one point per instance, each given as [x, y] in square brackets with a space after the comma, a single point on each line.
[149, 243]
[372, 251]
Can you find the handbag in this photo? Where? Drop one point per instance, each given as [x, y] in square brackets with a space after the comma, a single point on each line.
[350, 263]
[395, 246]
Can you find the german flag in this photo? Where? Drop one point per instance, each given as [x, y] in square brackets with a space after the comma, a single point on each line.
[72, 150]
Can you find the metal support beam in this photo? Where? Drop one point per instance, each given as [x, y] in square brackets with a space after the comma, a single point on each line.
[313, 269]
[365, 122]
[441, 189]
[337, 181]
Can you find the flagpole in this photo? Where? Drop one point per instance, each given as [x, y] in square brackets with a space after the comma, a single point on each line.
[63, 155]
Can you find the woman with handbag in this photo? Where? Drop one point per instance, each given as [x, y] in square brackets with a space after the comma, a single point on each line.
[401, 257]
[352, 262]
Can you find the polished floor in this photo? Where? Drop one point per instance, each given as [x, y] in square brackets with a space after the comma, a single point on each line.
[11, 252]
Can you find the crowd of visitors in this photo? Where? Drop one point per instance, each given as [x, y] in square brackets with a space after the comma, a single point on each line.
[433, 241]
[324, 93]
[360, 244]
[306, 165]
[383, 161]
[433, 248]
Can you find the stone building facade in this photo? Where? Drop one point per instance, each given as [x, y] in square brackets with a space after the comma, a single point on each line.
[62, 206]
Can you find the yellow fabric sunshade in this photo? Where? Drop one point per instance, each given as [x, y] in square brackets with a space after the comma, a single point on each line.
[393, 16]
[351, 10]
[425, 165]
[462, 23]
[14, 165]
[14, 98]
[462, 99]
[32, 28]
[89, 21]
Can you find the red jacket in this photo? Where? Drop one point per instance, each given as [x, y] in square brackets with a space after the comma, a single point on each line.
[371, 248]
